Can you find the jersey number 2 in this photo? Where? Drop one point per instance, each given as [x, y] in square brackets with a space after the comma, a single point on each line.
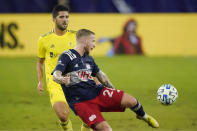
[107, 92]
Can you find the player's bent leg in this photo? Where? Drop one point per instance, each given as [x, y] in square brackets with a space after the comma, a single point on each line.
[61, 110]
[102, 126]
[59, 105]
[129, 101]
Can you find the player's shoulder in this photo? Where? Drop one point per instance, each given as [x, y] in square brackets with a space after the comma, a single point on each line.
[69, 54]
[48, 34]
[72, 32]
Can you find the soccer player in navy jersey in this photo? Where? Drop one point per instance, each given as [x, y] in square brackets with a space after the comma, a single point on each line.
[74, 71]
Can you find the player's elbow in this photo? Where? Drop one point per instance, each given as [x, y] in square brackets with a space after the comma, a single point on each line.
[57, 77]
[54, 78]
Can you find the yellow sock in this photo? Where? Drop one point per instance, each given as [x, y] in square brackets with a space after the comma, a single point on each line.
[67, 125]
[85, 127]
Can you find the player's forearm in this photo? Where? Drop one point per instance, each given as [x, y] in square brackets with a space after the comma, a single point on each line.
[40, 70]
[102, 77]
[57, 77]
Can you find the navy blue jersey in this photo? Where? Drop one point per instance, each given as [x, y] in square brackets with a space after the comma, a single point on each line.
[81, 68]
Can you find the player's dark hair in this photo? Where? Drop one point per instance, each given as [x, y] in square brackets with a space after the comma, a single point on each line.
[59, 8]
[84, 32]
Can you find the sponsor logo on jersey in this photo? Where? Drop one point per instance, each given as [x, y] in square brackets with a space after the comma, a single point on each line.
[52, 55]
[79, 76]
[52, 46]
[84, 75]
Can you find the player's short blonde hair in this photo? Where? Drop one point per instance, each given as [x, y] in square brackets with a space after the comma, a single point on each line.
[83, 32]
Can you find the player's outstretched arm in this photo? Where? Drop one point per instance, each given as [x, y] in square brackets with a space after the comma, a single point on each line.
[57, 77]
[102, 77]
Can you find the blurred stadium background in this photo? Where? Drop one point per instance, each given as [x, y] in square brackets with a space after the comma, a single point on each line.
[168, 30]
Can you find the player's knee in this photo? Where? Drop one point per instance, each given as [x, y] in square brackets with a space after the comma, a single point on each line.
[103, 126]
[133, 102]
[61, 111]
[107, 128]
[63, 116]
[128, 101]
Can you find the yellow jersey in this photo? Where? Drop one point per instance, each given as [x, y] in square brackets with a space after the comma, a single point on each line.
[50, 46]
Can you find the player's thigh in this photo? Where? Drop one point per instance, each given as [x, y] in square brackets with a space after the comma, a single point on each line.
[109, 100]
[61, 109]
[56, 94]
[58, 101]
[89, 113]
[128, 101]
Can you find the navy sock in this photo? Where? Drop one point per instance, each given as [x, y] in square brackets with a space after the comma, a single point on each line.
[138, 109]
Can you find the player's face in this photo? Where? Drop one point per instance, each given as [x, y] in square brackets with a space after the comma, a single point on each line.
[61, 20]
[90, 44]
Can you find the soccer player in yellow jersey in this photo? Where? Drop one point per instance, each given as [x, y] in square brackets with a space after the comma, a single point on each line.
[50, 46]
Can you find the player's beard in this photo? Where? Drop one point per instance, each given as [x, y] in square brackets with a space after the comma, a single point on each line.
[60, 27]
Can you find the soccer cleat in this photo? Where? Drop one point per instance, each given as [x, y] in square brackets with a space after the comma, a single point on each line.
[150, 120]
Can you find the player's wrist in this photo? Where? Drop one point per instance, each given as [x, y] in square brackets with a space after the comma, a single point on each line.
[66, 80]
[61, 80]
[40, 82]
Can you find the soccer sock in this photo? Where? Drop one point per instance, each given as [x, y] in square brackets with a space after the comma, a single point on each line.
[85, 127]
[66, 126]
[138, 109]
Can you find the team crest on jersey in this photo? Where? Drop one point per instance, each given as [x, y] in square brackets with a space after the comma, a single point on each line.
[88, 66]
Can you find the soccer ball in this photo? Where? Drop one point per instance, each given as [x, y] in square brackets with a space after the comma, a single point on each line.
[167, 94]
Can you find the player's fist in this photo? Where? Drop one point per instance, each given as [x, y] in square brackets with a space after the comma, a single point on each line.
[66, 79]
[40, 87]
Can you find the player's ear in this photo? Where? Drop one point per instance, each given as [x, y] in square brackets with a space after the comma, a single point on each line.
[86, 41]
[83, 40]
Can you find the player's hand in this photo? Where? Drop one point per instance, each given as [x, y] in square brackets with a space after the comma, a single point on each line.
[66, 79]
[40, 87]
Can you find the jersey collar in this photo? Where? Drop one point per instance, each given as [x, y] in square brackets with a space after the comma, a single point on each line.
[78, 55]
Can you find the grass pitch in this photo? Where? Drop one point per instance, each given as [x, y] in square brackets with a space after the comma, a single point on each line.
[21, 107]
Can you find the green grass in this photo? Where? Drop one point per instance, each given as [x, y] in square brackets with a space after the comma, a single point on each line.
[21, 108]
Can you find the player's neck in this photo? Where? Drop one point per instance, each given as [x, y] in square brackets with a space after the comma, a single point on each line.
[80, 50]
[59, 32]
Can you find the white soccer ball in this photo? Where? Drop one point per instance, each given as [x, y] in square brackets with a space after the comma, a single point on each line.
[167, 94]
